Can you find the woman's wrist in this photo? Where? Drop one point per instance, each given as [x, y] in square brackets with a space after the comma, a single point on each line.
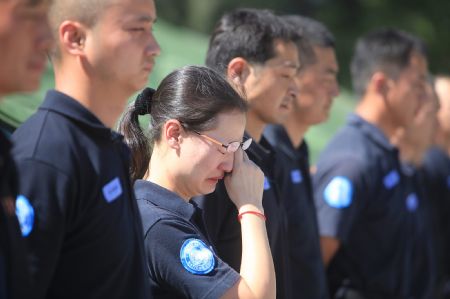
[253, 214]
[251, 207]
[251, 211]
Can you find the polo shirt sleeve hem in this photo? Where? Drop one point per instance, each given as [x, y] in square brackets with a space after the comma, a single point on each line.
[163, 243]
[223, 285]
[338, 196]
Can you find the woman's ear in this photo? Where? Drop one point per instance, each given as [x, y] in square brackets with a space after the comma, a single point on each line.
[73, 37]
[172, 131]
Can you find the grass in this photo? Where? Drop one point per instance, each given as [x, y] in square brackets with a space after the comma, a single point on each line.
[179, 47]
[318, 136]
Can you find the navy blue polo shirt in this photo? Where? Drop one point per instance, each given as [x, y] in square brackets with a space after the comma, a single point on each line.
[436, 176]
[363, 201]
[14, 275]
[181, 262]
[307, 271]
[224, 228]
[422, 239]
[86, 237]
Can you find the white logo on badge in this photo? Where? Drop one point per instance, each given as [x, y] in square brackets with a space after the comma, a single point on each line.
[266, 184]
[196, 257]
[338, 193]
[25, 215]
[296, 176]
[112, 190]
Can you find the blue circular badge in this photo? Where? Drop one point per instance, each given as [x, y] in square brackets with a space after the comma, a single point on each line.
[25, 215]
[196, 257]
[338, 193]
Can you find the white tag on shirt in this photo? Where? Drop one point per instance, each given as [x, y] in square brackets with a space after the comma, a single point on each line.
[266, 184]
[112, 190]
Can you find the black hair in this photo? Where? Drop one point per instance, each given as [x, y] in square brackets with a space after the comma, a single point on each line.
[313, 33]
[387, 50]
[194, 95]
[246, 33]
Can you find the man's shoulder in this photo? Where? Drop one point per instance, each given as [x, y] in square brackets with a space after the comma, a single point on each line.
[344, 148]
[436, 157]
[46, 124]
[47, 138]
[348, 137]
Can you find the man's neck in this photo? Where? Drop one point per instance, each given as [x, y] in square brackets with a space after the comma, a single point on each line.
[296, 131]
[105, 102]
[443, 143]
[254, 126]
[411, 155]
[378, 116]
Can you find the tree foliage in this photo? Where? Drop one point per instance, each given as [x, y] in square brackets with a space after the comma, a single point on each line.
[347, 19]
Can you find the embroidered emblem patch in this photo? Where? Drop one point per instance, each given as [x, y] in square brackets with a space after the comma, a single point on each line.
[338, 193]
[412, 202]
[196, 257]
[391, 179]
[266, 184]
[112, 190]
[25, 215]
[296, 176]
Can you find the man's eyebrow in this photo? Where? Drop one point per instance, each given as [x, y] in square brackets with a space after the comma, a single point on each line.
[290, 64]
[331, 70]
[144, 18]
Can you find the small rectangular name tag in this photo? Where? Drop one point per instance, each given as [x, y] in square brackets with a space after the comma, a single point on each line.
[112, 190]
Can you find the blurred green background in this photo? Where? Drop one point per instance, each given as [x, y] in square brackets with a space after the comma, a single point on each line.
[184, 25]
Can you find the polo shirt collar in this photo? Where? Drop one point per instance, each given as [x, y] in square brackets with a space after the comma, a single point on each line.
[408, 169]
[261, 153]
[371, 131]
[63, 104]
[277, 135]
[164, 199]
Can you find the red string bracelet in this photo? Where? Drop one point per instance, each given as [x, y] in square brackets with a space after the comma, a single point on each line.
[253, 213]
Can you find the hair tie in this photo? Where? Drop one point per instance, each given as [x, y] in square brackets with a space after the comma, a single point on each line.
[142, 104]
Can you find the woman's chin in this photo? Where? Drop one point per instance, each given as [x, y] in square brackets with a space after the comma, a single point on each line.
[209, 187]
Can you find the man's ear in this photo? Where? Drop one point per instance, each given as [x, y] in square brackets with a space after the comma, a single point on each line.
[380, 83]
[172, 131]
[238, 71]
[72, 36]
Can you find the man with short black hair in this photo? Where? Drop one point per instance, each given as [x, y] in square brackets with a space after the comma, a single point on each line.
[24, 38]
[413, 143]
[436, 173]
[255, 50]
[86, 238]
[365, 206]
[318, 87]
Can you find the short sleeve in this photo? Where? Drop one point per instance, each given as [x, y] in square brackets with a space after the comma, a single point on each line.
[182, 261]
[339, 194]
[221, 223]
